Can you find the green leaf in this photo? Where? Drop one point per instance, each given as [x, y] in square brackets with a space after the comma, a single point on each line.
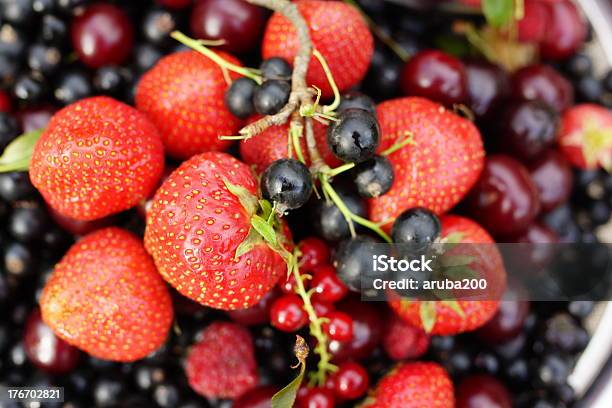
[453, 44]
[427, 312]
[17, 155]
[247, 199]
[264, 229]
[252, 239]
[498, 12]
[285, 398]
[266, 208]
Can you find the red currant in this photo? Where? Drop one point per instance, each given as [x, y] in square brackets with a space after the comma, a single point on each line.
[351, 381]
[339, 327]
[321, 308]
[287, 285]
[314, 253]
[328, 287]
[287, 313]
[317, 398]
[367, 331]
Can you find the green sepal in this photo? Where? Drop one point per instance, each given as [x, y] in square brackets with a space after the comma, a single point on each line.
[427, 312]
[266, 209]
[252, 239]
[454, 305]
[285, 398]
[264, 229]
[246, 198]
[498, 13]
[17, 155]
[451, 239]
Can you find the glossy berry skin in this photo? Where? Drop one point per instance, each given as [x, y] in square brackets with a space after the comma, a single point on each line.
[174, 4]
[276, 68]
[435, 75]
[288, 183]
[45, 350]
[328, 287]
[339, 327]
[552, 175]
[487, 86]
[434, 172]
[506, 324]
[356, 100]
[505, 199]
[527, 129]
[239, 98]
[237, 22]
[351, 381]
[271, 96]
[565, 32]
[329, 223]
[316, 398]
[259, 397]
[97, 157]
[414, 385]
[222, 363]
[194, 210]
[108, 267]
[287, 313]
[315, 253]
[479, 391]
[355, 136]
[402, 340]
[338, 32]
[102, 35]
[543, 83]
[373, 177]
[183, 96]
[367, 331]
[417, 226]
[353, 260]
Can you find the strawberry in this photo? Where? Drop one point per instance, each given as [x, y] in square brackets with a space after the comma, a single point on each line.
[338, 32]
[183, 96]
[457, 316]
[437, 169]
[585, 136]
[413, 385]
[106, 298]
[222, 363]
[96, 157]
[200, 235]
[402, 341]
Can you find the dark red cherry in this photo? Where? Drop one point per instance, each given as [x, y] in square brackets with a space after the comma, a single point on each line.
[260, 397]
[509, 319]
[367, 331]
[543, 83]
[351, 381]
[487, 86]
[565, 32]
[532, 27]
[174, 4]
[482, 391]
[535, 256]
[45, 350]
[505, 199]
[257, 314]
[237, 22]
[527, 129]
[553, 177]
[315, 252]
[102, 35]
[33, 118]
[5, 102]
[316, 398]
[435, 75]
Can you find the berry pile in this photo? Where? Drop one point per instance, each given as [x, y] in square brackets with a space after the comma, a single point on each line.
[181, 228]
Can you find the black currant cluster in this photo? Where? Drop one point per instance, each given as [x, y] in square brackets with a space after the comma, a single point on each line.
[245, 98]
[589, 88]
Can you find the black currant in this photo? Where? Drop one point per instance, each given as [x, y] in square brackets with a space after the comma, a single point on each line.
[239, 97]
[43, 6]
[30, 89]
[16, 186]
[157, 25]
[353, 261]
[417, 226]
[328, 220]
[276, 68]
[145, 56]
[109, 80]
[28, 223]
[271, 96]
[13, 41]
[356, 100]
[9, 129]
[53, 30]
[288, 183]
[16, 11]
[44, 59]
[72, 86]
[355, 136]
[373, 177]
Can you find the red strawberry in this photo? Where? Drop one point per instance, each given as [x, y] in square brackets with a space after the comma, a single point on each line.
[338, 32]
[195, 226]
[222, 364]
[106, 298]
[585, 136]
[413, 385]
[402, 340]
[444, 318]
[183, 96]
[97, 157]
[438, 169]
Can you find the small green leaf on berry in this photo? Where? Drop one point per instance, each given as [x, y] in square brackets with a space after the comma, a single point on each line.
[264, 229]
[498, 12]
[247, 199]
[17, 155]
[427, 311]
[285, 398]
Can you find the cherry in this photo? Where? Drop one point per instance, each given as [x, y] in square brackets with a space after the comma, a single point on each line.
[287, 313]
[339, 326]
[565, 32]
[45, 350]
[237, 22]
[542, 82]
[327, 285]
[482, 391]
[102, 35]
[507, 322]
[367, 331]
[351, 381]
[316, 398]
[435, 75]
[487, 86]
[532, 27]
[553, 177]
[527, 129]
[5, 102]
[174, 4]
[33, 118]
[259, 397]
[315, 252]
[505, 199]
[534, 257]
[257, 314]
